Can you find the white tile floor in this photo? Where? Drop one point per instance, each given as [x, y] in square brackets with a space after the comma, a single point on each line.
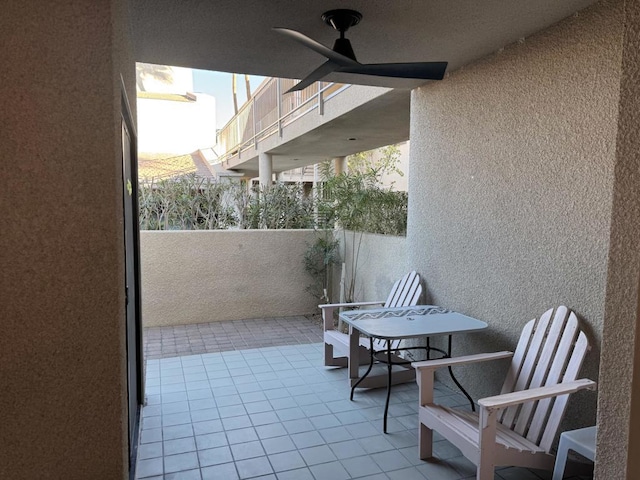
[278, 413]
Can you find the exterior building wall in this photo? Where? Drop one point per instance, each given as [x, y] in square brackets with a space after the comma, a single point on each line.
[63, 362]
[618, 442]
[511, 181]
[206, 276]
[169, 126]
[381, 260]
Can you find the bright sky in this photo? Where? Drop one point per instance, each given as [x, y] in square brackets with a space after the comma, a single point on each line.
[218, 84]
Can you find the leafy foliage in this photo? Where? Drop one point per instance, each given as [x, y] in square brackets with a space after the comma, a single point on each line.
[379, 162]
[193, 203]
[184, 203]
[160, 73]
[356, 201]
[352, 201]
[319, 257]
[281, 206]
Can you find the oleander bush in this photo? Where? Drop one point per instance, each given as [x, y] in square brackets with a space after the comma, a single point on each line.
[354, 201]
[184, 203]
[195, 203]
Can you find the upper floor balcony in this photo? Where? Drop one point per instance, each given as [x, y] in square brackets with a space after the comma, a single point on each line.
[323, 121]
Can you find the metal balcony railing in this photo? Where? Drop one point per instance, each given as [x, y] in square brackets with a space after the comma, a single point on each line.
[300, 174]
[269, 111]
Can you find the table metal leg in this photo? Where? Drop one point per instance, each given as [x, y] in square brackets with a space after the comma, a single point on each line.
[353, 389]
[389, 370]
[455, 380]
[390, 376]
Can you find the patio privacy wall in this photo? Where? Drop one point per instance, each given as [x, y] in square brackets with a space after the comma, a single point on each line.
[207, 276]
[511, 186]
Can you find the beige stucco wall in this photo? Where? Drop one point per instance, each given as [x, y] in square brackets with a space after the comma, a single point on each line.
[618, 443]
[510, 180]
[381, 260]
[62, 349]
[205, 276]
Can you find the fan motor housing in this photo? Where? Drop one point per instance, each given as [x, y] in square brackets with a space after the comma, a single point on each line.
[342, 19]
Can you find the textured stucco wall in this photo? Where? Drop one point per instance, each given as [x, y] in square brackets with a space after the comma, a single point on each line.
[62, 348]
[618, 443]
[382, 259]
[205, 276]
[510, 185]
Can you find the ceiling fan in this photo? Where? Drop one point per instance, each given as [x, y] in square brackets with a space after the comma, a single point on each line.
[342, 59]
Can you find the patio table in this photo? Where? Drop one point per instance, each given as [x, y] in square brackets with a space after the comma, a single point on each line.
[401, 323]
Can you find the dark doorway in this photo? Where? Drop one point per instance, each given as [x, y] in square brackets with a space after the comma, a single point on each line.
[132, 280]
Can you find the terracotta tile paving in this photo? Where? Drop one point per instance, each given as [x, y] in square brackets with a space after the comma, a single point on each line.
[179, 340]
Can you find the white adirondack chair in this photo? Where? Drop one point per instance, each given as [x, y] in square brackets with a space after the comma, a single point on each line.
[518, 426]
[404, 293]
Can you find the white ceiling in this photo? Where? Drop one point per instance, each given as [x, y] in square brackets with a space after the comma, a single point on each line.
[236, 35]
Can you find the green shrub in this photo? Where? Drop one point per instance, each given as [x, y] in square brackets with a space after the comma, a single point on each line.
[319, 257]
[195, 203]
[280, 206]
[357, 202]
[184, 203]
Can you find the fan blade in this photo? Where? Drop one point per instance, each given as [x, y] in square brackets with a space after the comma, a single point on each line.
[422, 70]
[335, 57]
[325, 69]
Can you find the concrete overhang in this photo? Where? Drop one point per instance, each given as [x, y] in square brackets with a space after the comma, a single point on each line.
[237, 36]
[358, 118]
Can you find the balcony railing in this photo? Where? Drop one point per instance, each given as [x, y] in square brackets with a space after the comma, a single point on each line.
[269, 111]
[300, 174]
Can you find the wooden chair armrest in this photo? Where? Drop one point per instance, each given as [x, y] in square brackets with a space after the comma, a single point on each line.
[328, 308]
[451, 362]
[354, 304]
[505, 400]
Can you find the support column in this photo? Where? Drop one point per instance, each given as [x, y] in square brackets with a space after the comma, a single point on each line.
[340, 165]
[618, 440]
[265, 169]
[47, 406]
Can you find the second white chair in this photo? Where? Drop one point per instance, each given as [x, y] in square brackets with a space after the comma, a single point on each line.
[405, 292]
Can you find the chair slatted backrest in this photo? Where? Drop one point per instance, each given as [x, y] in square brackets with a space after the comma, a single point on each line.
[550, 351]
[404, 293]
